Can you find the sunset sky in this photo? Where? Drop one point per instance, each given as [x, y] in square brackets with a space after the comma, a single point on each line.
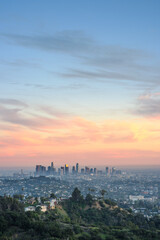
[79, 82]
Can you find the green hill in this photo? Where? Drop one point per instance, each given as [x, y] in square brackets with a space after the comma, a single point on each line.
[75, 219]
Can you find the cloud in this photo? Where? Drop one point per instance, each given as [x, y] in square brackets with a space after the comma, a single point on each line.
[12, 141]
[19, 117]
[148, 105]
[67, 140]
[54, 112]
[113, 137]
[13, 115]
[97, 75]
[83, 132]
[20, 63]
[149, 95]
[14, 102]
[90, 137]
[103, 61]
[39, 86]
[71, 42]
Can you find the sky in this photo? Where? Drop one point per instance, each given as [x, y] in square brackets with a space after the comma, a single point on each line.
[79, 82]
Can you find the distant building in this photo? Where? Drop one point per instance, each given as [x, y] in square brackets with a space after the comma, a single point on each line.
[87, 170]
[62, 170]
[91, 170]
[107, 171]
[49, 170]
[53, 203]
[66, 169]
[43, 208]
[73, 170]
[40, 170]
[77, 167]
[136, 198]
[52, 169]
[52, 165]
[82, 170]
[29, 209]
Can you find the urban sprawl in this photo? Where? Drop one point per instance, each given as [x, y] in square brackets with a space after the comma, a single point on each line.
[138, 189]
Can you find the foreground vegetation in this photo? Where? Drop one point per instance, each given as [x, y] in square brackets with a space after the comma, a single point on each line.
[75, 218]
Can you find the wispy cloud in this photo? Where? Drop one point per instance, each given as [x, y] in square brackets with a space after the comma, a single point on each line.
[149, 95]
[10, 101]
[100, 75]
[20, 63]
[148, 105]
[71, 42]
[106, 62]
[54, 112]
[18, 116]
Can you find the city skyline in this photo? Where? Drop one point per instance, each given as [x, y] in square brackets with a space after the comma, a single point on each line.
[79, 82]
[53, 170]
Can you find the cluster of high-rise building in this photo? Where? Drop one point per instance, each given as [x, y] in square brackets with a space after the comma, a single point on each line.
[51, 170]
[65, 170]
[43, 171]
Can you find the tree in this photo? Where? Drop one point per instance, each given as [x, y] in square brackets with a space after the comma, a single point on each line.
[38, 209]
[89, 199]
[103, 192]
[18, 196]
[52, 195]
[76, 196]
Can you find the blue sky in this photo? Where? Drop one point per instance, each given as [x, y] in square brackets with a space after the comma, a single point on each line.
[85, 30]
[117, 22]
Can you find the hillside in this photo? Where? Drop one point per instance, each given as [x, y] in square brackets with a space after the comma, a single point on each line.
[75, 218]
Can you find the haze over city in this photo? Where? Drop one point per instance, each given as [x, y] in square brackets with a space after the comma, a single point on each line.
[80, 82]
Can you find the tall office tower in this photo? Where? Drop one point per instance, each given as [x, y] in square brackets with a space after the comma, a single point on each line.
[62, 170]
[43, 170]
[91, 170]
[49, 170]
[38, 169]
[66, 169]
[52, 165]
[107, 170]
[53, 169]
[73, 170]
[77, 167]
[82, 170]
[87, 170]
[95, 170]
